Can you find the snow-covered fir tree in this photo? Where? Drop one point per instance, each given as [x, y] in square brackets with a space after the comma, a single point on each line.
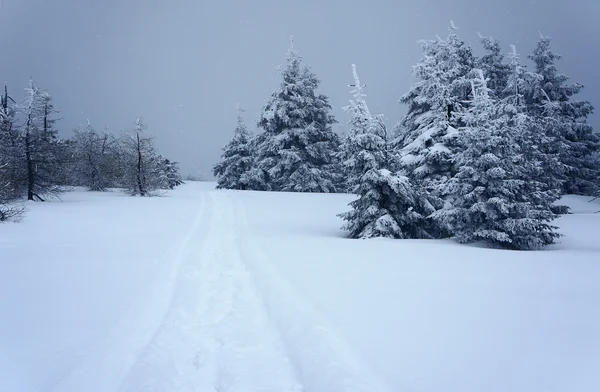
[565, 121]
[365, 146]
[232, 171]
[297, 150]
[435, 104]
[389, 206]
[494, 68]
[142, 174]
[171, 172]
[520, 85]
[496, 197]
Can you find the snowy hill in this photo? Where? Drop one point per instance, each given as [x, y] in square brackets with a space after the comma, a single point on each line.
[208, 290]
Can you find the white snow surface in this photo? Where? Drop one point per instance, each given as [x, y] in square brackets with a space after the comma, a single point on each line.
[206, 290]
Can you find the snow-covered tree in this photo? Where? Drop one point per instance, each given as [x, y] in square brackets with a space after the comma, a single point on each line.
[365, 147]
[565, 121]
[236, 160]
[141, 163]
[388, 206]
[171, 172]
[520, 85]
[435, 104]
[297, 150]
[8, 164]
[94, 157]
[496, 195]
[10, 168]
[38, 152]
[494, 68]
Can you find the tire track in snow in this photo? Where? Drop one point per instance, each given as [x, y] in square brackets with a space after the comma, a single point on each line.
[216, 335]
[322, 359]
[104, 369]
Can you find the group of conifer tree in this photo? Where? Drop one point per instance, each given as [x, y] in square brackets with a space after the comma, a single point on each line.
[35, 163]
[485, 151]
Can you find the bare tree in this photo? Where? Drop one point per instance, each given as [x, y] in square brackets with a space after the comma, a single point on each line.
[10, 168]
[8, 142]
[94, 156]
[40, 145]
[141, 163]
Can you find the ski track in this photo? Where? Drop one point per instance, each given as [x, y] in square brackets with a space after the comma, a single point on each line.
[217, 335]
[223, 319]
[104, 368]
[322, 358]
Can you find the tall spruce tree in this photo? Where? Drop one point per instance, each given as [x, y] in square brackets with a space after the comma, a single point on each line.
[236, 160]
[496, 197]
[435, 104]
[521, 85]
[565, 121]
[494, 68]
[365, 147]
[297, 150]
[388, 205]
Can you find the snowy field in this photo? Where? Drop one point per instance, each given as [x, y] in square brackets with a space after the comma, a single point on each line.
[207, 290]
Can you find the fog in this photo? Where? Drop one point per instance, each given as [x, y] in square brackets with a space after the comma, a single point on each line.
[184, 64]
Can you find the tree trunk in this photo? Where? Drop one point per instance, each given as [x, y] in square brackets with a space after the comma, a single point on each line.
[140, 181]
[94, 183]
[45, 119]
[30, 165]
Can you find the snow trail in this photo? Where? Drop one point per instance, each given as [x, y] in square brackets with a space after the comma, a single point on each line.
[217, 335]
[106, 366]
[220, 318]
[322, 358]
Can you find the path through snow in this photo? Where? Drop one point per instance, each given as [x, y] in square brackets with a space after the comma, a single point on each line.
[222, 319]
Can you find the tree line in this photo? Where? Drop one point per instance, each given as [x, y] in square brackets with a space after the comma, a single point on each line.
[36, 164]
[485, 151]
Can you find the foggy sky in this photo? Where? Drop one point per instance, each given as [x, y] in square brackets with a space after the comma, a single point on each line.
[183, 64]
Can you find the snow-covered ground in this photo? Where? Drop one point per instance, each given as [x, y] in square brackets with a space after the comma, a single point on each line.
[206, 290]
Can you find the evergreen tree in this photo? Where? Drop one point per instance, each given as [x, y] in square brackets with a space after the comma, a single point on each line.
[565, 121]
[172, 175]
[388, 206]
[435, 104]
[521, 85]
[495, 70]
[297, 150]
[496, 197]
[365, 147]
[236, 160]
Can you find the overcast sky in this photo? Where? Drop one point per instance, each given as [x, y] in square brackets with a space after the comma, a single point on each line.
[183, 64]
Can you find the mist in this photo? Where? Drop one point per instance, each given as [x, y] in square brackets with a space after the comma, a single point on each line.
[183, 64]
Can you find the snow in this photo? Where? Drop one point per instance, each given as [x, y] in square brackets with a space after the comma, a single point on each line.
[420, 141]
[440, 148]
[206, 290]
